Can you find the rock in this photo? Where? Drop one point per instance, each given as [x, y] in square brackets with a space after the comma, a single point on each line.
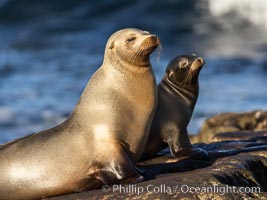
[232, 122]
[258, 136]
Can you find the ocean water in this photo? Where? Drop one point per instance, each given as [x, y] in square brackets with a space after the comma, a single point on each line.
[50, 49]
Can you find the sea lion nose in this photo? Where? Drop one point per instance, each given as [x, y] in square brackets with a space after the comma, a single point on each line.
[155, 39]
[200, 60]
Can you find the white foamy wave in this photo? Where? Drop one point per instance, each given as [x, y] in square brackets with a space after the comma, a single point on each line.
[6, 114]
[254, 11]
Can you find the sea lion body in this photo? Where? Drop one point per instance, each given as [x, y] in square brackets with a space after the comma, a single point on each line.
[177, 96]
[103, 137]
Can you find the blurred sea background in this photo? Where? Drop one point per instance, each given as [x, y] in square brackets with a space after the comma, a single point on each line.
[49, 50]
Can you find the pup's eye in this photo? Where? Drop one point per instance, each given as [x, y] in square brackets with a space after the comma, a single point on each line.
[131, 39]
[183, 63]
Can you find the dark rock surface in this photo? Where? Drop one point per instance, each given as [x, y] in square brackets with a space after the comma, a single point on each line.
[234, 168]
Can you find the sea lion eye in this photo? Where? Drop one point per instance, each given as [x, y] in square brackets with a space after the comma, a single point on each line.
[130, 39]
[183, 63]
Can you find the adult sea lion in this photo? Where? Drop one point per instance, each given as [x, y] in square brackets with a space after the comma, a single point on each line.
[177, 96]
[103, 137]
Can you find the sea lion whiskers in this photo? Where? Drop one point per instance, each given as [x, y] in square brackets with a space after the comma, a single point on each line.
[158, 52]
[189, 77]
[138, 53]
[193, 71]
[149, 44]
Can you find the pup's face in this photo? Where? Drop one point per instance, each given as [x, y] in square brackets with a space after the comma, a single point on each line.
[184, 69]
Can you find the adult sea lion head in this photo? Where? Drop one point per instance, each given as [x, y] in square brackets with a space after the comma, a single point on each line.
[184, 70]
[130, 46]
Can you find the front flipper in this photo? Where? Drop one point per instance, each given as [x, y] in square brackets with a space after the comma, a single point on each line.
[119, 168]
[179, 143]
[181, 146]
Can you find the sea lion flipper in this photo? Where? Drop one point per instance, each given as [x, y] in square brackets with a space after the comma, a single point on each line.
[178, 151]
[132, 179]
[179, 144]
[173, 142]
[173, 146]
[105, 177]
[120, 168]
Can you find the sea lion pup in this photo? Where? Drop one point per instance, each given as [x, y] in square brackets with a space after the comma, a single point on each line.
[177, 96]
[103, 137]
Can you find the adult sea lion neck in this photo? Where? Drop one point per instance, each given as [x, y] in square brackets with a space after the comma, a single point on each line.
[126, 67]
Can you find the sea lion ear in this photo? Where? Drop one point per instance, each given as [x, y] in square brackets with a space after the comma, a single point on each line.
[111, 46]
